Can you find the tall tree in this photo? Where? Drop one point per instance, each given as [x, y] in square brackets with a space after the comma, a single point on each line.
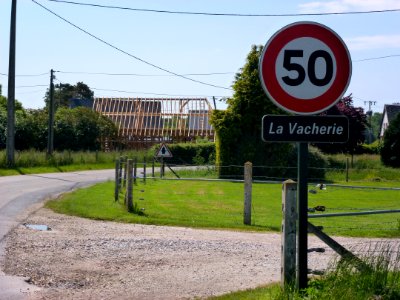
[390, 152]
[63, 92]
[357, 125]
[238, 128]
[81, 129]
[376, 120]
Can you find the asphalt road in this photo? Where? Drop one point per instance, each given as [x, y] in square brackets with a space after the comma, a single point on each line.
[20, 195]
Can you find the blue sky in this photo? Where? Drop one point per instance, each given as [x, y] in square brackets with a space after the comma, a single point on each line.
[185, 44]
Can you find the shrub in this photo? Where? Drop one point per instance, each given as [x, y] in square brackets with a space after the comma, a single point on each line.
[190, 153]
[390, 152]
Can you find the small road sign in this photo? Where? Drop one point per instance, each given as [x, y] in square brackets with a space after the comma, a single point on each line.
[305, 68]
[317, 129]
[164, 151]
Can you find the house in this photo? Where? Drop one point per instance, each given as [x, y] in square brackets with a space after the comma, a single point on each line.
[78, 102]
[390, 112]
[153, 120]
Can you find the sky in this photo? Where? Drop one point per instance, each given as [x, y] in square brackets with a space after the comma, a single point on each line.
[130, 53]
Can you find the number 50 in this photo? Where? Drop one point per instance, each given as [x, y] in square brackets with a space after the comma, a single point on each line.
[311, 66]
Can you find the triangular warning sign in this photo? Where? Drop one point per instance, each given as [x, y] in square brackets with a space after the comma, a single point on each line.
[164, 151]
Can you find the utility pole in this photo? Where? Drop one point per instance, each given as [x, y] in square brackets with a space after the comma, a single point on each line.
[11, 89]
[369, 114]
[50, 134]
[215, 104]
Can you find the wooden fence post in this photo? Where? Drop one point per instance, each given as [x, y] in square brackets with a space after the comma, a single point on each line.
[144, 170]
[248, 174]
[288, 261]
[134, 170]
[125, 170]
[116, 193]
[121, 163]
[129, 187]
[152, 169]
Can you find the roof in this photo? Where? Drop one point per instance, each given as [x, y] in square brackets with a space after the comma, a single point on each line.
[392, 111]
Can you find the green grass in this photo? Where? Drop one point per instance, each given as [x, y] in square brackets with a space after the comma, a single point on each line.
[211, 204]
[268, 292]
[35, 162]
[178, 203]
[339, 200]
[380, 280]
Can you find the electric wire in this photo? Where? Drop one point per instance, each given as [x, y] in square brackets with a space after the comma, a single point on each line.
[225, 14]
[143, 75]
[148, 93]
[377, 58]
[27, 75]
[151, 93]
[127, 53]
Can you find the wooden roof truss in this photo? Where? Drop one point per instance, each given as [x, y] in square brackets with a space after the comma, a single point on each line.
[155, 118]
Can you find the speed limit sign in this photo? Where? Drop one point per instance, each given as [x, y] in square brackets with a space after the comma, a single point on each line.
[305, 68]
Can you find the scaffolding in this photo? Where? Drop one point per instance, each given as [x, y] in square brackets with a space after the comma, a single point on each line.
[147, 121]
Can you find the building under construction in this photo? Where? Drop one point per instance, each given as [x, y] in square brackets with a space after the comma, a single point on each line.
[142, 122]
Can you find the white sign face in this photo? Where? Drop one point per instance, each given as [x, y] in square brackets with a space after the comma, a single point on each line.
[306, 73]
[305, 68]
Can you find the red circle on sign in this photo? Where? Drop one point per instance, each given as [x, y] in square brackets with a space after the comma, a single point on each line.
[269, 79]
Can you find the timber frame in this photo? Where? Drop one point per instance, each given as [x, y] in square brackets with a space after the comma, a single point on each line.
[142, 122]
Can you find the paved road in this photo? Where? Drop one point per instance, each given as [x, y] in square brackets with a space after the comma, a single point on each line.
[19, 195]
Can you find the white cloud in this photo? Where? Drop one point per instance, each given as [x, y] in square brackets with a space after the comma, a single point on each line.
[347, 5]
[373, 42]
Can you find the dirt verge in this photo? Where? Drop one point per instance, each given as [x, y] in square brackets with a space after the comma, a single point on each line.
[87, 259]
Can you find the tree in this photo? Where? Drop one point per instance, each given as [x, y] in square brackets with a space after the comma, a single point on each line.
[357, 125]
[31, 129]
[63, 92]
[238, 129]
[3, 104]
[390, 151]
[19, 114]
[81, 129]
[376, 120]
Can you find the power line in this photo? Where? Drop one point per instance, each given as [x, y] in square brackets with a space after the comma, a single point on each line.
[27, 75]
[157, 94]
[377, 58]
[143, 75]
[147, 93]
[29, 86]
[225, 14]
[166, 75]
[127, 53]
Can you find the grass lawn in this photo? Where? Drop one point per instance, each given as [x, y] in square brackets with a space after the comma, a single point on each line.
[210, 204]
[178, 203]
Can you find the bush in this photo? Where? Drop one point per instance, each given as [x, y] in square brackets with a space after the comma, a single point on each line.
[390, 152]
[190, 153]
[373, 148]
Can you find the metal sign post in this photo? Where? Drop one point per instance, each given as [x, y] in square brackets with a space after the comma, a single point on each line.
[302, 211]
[304, 68]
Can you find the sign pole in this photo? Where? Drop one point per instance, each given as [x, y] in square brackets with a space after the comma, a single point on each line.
[302, 211]
[304, 68]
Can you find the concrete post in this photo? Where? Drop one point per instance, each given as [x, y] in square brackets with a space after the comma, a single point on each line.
[248, 178]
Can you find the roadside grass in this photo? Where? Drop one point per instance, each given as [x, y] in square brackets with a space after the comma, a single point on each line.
[267, 292]
[216, 204]
[197, 204]
[380, 280]
[341, 200]
[35, 162]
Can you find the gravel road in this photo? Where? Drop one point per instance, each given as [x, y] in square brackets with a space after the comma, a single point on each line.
[87, 259]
